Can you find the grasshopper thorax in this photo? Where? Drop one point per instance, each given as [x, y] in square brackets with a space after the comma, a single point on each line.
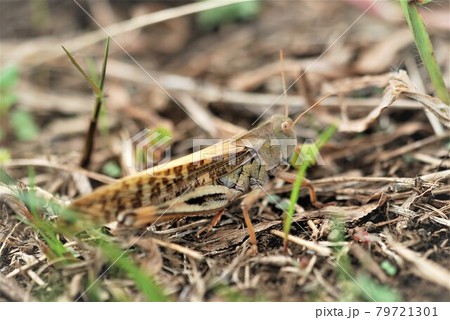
[274, 141]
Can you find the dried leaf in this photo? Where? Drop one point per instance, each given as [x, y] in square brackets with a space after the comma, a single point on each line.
[401, 84]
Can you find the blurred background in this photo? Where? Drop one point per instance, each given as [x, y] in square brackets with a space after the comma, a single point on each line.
[234, 48]
[187, 72]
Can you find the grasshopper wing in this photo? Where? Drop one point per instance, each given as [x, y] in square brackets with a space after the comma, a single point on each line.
[164, 183]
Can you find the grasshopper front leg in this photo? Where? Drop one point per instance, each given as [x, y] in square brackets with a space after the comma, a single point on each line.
[210, 225]
[290, 177]
[253, 196]
[246, 204]
[247, 178]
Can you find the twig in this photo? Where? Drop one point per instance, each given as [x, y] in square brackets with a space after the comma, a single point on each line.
[412, 146]
[26, 267]
[308, 270]
[383, 223]
[414, 73]
[442, 221]
[44, 163]
[10, 289]
[408, 181]
[321, 251]
[176, 247]
[189, 226]
[422, 267]
[328, 287]
[255, 102]
[33, 275]
[368, 263]
[8, 236]
[431, 160]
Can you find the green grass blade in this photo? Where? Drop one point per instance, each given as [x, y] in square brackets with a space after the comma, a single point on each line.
[75, 63]
[423, 44]
[323, 138]
[46, 229]
[123, 262]
[90, 136]
[105, 60]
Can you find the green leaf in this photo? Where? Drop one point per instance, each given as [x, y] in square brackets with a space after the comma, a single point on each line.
[9, 77]
[5, 155]
[5, 178]
[375, 291]
[112, 169]
[210, 19]
[8, 81]
[24, 126]
[6, 101]
[164, 132]
[283, 205]
[389, 268]
[274, 199]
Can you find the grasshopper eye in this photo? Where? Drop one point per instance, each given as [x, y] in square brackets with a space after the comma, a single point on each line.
[286, 127]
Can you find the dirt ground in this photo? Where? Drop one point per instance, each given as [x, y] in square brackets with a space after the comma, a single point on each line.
[383, 176]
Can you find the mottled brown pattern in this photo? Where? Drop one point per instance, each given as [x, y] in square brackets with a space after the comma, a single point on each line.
[120, 206]
[155, 189]
[190, 167]
[177, 170]
[138, 199]
[136, 203]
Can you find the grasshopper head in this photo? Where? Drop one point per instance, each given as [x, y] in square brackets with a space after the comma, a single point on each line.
[283, 128]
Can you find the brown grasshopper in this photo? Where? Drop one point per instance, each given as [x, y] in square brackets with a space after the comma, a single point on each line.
[201, 183]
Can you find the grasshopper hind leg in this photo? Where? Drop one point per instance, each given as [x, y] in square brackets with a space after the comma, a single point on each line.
[246, 204]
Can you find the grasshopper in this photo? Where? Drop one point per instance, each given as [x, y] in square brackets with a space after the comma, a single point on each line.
[201, 183]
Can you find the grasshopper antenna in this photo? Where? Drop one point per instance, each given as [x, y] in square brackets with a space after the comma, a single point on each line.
[284, 83]
[314, 105]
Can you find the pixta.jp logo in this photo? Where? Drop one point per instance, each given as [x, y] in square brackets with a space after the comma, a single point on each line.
[145, 149]
[148, 148]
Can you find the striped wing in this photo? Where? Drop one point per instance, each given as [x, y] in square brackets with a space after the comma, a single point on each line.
[164, 182]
